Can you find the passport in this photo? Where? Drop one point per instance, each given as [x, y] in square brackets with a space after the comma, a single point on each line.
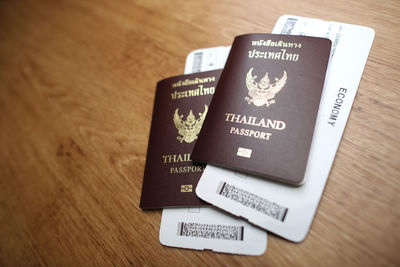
[262, 117]
[180, 107]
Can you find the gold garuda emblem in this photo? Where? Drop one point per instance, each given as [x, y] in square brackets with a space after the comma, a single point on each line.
[263, 92]
[189, 128]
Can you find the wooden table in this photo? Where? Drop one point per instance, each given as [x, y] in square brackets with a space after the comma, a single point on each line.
[77, 82]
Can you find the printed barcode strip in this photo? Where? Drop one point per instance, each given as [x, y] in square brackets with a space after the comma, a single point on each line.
[289, 25]
[197, 61]
[211, 231]
[252, 201]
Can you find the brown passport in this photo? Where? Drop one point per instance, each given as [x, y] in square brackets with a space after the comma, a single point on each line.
[180, 107]
[262, 117]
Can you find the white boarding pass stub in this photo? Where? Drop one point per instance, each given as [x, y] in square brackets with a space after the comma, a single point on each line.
[208, 228]
[284, 210]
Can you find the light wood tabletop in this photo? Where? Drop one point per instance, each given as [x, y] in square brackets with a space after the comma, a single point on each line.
[77, 84]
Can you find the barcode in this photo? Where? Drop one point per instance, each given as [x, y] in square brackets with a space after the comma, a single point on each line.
[213, 231]
[289, 25]
[252, 201]
[198, 59]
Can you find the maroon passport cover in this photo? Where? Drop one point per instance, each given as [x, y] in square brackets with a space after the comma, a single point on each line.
[262, 117]
[180, 106]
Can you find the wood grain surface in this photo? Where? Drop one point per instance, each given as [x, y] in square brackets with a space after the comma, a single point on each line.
[77, 82]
